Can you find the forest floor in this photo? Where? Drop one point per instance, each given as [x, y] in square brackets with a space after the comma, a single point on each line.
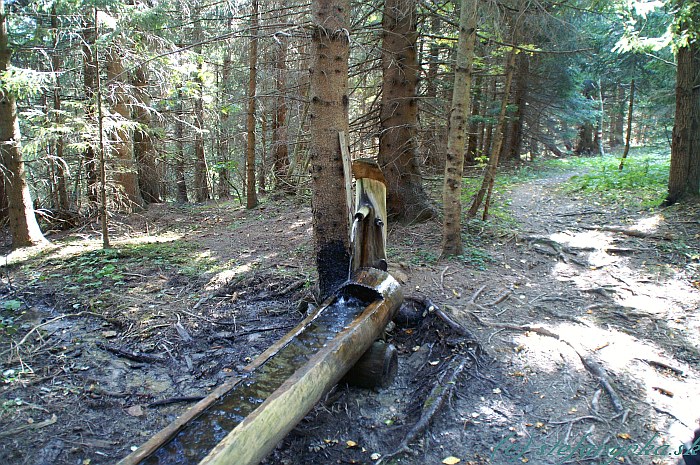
[566, 296]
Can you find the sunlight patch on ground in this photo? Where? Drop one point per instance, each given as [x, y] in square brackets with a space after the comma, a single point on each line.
[225, 277]
[543, 353]
[595, 239]
[648, 225]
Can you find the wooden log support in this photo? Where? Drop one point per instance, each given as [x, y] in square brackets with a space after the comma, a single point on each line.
[346, 333]
[369, 223]
[376, 368]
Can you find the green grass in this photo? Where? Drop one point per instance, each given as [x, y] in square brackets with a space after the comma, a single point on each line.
[641, 184]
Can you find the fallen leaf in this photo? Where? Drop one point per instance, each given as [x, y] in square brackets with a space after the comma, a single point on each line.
[451, 460]
[351, 444]
[375, 456]
[539, 425]
[624, 436]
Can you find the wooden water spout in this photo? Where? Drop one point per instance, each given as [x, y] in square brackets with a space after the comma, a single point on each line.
[244, 419]
[368, 236]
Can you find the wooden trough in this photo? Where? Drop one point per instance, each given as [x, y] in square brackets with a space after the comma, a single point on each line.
[243, 420]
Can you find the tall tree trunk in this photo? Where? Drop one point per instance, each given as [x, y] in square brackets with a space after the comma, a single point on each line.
[102, 157]
[223, 187]
[262, 162]
[201, 182]
[490, 171]
[180, 180]
[251, 193]
[487, 141]
[398, 115]
[328, 110]
[59, 162]
[432, 157]
[513, 147]
[4, 207]
[23, 226]
[684, 176]
[617, 116]
[126, 175]
[149, 177]
[628, 137]
[454, 163]
[473, 137]
[279, 135]
[89, 86]
[601, 120]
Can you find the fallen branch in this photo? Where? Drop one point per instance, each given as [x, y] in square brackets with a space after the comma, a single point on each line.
[22, 428]
[628, 232]
[431, 405]
[175, 400]
[136, 357]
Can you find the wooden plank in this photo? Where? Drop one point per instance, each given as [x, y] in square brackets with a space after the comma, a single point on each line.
[347, 173]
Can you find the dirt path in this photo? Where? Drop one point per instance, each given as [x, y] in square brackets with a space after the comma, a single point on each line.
[553, 307]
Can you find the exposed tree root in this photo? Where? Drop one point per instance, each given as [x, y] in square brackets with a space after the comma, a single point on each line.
[432, 404]
[628, 232]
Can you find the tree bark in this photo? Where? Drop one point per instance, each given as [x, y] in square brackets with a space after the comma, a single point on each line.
[126, 175]
[684, 176]
[251, 193]
[454, 163]
[149, 175]
[398, 149]
[23, 225]
[328, 110]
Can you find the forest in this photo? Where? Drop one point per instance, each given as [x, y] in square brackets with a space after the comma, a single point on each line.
[176, 200]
